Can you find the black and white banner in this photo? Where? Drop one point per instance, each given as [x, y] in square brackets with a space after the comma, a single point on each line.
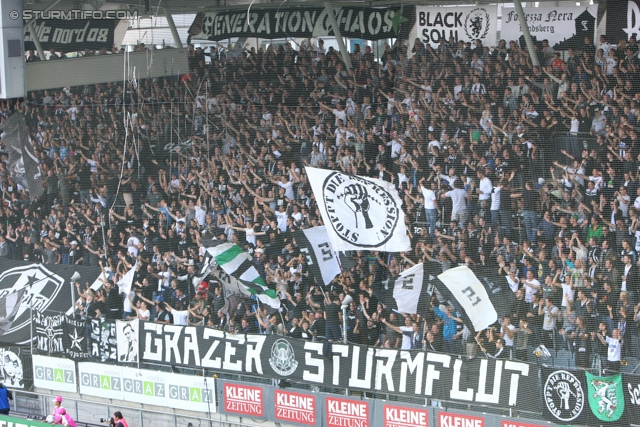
[413, 289]
[631, 385]
[75, 339]
[49, 333]
[322, 261]
[71, 35]
[466, 23]
[623, 20]
[407, 291]
[578, 397]
[127, 340]
[46, 290]
[468, 295]
[22, 160]
[562, 26]
[358, 22]
[12, 373]
[411, 373]
[103, 340]
[359, 213]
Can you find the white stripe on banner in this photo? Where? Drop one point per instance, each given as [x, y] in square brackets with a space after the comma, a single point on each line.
[471, 295]
[407, 289]
[359, 213]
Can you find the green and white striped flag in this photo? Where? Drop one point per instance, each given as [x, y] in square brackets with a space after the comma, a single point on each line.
[237, 263]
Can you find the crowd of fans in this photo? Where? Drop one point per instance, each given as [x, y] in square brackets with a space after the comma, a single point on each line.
[486, 150]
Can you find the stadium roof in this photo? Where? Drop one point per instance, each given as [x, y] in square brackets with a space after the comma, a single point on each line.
[146, 7]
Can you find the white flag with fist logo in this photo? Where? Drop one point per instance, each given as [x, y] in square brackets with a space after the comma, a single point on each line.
[359, 213]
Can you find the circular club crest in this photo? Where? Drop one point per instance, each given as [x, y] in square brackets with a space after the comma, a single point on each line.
[563, 395]
[360, 211]
[283, 360]
[477, 23]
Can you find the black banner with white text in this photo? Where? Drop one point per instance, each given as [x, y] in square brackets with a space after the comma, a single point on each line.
[359, 22]
[71, 35]
[411, 373]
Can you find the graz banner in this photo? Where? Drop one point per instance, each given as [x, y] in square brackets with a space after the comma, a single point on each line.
[412, 373]
[562, 26]
[71, 35]
[462, 23]
[54, 373]
[360, 22]
[623, 20]
[188, 392]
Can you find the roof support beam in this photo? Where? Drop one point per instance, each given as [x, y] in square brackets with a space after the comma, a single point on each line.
[172, 27]
[526, 33]
[338, 34]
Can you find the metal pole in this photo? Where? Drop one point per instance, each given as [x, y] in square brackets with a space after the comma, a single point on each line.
[338, 34]
[344, 324]
[525, 32]
[172, 27]
[36, 42]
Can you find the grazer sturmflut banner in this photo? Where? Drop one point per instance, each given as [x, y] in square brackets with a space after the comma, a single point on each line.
[623, 20]
[359, 213]
[358, 22]
[71, 35]
[411, 373]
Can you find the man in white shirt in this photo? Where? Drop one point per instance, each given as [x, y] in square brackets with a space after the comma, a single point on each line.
[459, 200]
[430, 201]
[614, 349]
[507, 332]
[180, 316]
[550, 312]
[485, 186]
[406, 331]
[531, 286]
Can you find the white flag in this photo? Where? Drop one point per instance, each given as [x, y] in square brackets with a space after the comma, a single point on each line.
[126, 282]
[360, 213]
[461, 286]
[408, 288]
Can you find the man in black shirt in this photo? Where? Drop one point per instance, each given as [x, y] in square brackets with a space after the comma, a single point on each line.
[319, 325]
[331, 316]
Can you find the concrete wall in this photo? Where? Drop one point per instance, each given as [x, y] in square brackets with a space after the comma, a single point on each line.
[105, 68]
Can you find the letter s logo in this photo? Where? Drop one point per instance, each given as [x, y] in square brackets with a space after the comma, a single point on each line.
[584, 25]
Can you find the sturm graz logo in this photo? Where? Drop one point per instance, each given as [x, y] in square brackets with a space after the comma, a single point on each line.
[477, 23]
[42, 288]
[360, 211]
[563, 395]
[283, 360]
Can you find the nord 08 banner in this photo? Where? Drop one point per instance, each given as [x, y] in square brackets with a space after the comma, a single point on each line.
[414, 373]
